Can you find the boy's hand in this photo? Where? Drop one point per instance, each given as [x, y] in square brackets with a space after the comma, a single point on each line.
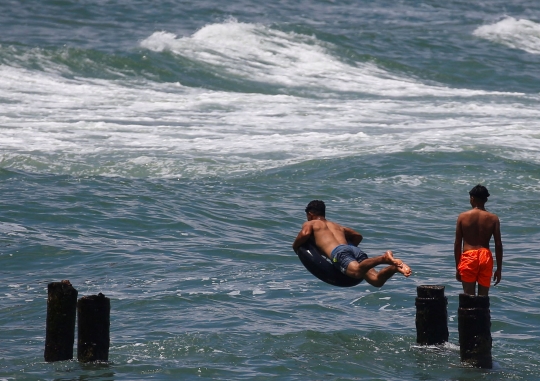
[497, 276]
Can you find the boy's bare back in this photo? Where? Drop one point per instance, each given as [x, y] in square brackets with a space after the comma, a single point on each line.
[476, 227]
[328, 235]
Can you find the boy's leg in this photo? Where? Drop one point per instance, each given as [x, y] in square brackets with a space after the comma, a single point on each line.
[378, 279]
[470, 288]
[361, 269]
[483, 290]
[358, 270]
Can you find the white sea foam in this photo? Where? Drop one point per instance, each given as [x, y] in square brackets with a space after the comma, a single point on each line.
[6, 227]
[86, 126]
[518, 34]
[262, 54]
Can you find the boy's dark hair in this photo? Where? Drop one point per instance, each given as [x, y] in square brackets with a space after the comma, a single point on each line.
[479, 192]
[316, 207]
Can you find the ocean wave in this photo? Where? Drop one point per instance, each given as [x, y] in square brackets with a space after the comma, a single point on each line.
[55, 122]
[518, 34]
[256, 52]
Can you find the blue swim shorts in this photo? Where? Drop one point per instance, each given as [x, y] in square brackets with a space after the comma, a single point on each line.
[342, 255]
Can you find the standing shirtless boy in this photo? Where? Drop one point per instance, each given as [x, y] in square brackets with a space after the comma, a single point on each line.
[474, 260]
[332, 239]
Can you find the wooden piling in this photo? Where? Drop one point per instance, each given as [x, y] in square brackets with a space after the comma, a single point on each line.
[94, 323]
[474, 325]
[60, 324]
[431, 315]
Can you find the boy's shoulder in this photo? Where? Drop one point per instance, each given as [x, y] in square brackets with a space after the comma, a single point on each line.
[472, 212]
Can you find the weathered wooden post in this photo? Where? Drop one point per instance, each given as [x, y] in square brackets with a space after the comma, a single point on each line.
[60, 324]
[431, 315]
[94, 323]
[474, 325]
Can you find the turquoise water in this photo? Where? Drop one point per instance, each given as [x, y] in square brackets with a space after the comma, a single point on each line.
[163, 154]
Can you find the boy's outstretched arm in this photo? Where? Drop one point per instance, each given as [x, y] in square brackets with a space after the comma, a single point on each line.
[303, 236]
[353, 236]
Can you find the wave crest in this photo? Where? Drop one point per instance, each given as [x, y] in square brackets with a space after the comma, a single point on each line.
[518, 34]
[257, 53]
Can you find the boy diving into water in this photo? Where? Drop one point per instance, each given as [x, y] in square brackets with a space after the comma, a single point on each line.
[332, 239]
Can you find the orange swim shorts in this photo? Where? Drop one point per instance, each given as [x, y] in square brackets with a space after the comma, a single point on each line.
[476, 266]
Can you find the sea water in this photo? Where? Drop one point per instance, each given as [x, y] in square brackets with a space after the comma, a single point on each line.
[162, 153]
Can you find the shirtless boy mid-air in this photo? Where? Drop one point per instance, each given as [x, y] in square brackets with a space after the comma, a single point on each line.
[333, 240]
[474, 260]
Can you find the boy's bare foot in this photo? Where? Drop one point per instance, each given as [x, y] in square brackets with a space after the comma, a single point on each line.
[404, 269]
[400, 265]
[389, 258]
